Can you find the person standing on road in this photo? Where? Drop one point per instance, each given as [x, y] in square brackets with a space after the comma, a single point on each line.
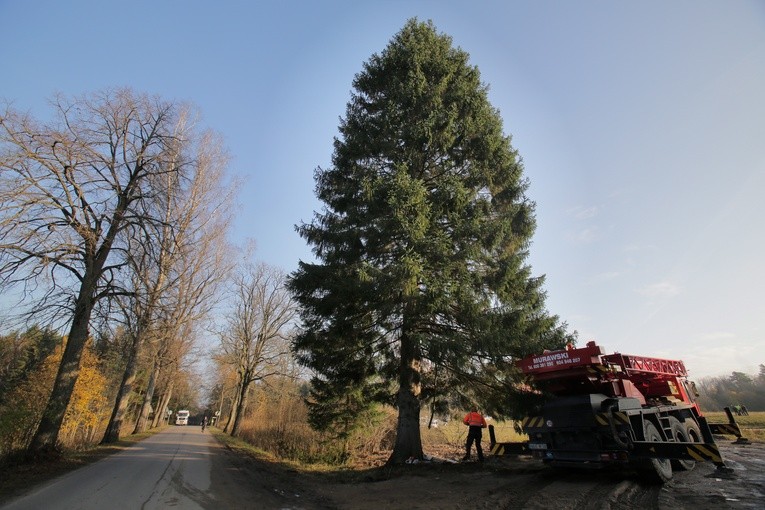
[476, 422]
[204, 423]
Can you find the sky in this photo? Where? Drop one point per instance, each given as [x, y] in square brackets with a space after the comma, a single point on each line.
[641, 126]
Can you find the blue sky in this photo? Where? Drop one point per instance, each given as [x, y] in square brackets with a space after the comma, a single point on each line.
[641, 125]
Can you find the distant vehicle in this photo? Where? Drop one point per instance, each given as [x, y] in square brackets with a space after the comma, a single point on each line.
[182, 418]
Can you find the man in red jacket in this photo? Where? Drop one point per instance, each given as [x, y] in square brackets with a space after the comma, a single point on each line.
[476, 422]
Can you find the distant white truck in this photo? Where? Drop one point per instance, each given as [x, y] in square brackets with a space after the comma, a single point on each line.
[182, 418]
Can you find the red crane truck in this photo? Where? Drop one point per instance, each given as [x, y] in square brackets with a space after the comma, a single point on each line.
[616, 409]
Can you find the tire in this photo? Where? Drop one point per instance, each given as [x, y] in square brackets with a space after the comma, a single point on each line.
[694, 431]
[654, 471]
[694, 435]
[680, 435]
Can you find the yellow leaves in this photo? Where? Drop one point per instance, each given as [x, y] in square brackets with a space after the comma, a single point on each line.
[88, 409]
[87, 413]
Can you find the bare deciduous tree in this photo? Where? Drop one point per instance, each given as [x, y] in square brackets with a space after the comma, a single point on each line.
[175, 279]
[255, 339]
[190, 301]
[73, 192]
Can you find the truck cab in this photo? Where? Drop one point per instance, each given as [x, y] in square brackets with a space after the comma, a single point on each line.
[182, 418]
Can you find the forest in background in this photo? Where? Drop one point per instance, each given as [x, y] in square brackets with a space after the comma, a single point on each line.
[737, 389]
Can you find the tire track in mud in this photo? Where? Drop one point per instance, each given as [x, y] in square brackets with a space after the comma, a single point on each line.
[515, 493]
[565, 490]
[742, 488]
[628, 495]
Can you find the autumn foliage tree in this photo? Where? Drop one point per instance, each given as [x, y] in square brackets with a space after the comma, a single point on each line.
[23, 402]
[421, 244]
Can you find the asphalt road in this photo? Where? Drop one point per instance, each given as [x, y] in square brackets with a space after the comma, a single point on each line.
[171, 469]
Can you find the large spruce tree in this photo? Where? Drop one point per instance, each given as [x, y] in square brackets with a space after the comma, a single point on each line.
[420, 246]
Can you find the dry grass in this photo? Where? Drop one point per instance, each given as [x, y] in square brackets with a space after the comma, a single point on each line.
[294, 440]
[370, 446]
[454, 432]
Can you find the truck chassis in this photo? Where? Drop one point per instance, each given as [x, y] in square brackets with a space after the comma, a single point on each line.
[616, 409]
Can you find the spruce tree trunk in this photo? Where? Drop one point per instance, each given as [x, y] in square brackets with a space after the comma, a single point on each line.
[408, 443]
[143, 416]
[46, 437]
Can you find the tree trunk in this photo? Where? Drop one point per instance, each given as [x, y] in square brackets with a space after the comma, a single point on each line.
[219, 412]
[408, 440]
[159, 416]
[234, 407]
[143, 416]
[46, 437]
[242, 400]
[112, 434]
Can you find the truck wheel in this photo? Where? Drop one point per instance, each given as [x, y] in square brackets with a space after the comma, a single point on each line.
[680, 435]
[694, 431]
[654, 470]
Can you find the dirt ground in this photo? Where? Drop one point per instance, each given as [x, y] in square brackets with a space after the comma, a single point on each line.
[243, 481]
[521, 483]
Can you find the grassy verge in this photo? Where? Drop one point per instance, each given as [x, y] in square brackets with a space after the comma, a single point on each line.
[331, 473]
[243, 448]
[20, 476]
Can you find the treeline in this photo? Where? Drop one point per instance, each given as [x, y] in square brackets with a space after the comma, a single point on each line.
[276, 421]
[736, 389]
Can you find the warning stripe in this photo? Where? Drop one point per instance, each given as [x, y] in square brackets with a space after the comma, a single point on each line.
[619, 418]
[705, 451]
[695, 455]
[533, 422]
[601, 418]
[510, 448]
[724, 428]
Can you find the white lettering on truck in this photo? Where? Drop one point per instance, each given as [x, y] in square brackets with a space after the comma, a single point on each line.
[553, 359]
